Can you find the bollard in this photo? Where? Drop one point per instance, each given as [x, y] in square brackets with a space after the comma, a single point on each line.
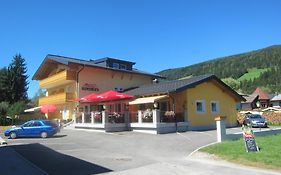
[221, 131]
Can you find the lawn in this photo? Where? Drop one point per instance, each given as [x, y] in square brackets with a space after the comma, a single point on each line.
[252, 73]
[269, 155]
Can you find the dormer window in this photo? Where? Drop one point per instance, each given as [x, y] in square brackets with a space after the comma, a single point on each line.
[115, 65]
[123, 66]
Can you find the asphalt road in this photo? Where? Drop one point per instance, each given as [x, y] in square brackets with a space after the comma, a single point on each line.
[87, 152]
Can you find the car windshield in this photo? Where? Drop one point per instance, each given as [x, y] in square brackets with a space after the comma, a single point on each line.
[255, 116]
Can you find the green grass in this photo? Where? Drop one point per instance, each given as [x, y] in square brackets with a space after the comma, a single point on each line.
[252, 73]
[269, 155]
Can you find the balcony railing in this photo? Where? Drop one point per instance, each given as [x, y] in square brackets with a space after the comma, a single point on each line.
[57, 98]
[58, 79]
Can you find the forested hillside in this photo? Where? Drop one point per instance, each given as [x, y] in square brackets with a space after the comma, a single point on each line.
[244, 72]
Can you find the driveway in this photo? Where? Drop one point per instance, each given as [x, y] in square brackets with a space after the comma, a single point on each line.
[89, 152]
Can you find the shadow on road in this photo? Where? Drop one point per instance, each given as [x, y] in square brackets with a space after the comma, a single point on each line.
[55, 163]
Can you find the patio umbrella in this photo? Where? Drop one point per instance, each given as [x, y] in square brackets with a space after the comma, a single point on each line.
[48, 108]
[113, 95]
[87, 98]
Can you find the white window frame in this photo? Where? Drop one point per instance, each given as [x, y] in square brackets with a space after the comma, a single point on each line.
[217, 106]
[203, 106]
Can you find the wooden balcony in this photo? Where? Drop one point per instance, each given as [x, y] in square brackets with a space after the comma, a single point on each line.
[60, 98]
[61, 78]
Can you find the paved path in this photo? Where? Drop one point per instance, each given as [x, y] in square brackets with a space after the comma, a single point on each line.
[88, 152]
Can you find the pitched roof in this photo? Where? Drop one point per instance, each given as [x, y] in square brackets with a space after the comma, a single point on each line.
[250, 98]
[178, 86]
[261, 93]
[66, 60]
[276, 98]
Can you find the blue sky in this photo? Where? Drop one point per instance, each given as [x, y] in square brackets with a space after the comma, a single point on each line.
[156, 34]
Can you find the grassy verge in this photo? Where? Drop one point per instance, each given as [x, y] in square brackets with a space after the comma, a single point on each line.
[269, 155]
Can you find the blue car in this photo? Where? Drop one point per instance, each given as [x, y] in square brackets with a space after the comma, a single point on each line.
[33, 128]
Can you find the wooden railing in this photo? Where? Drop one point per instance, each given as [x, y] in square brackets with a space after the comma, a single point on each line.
[58, 79]
[57, 98]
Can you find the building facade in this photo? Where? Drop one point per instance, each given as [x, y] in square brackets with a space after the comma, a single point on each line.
[65, 79]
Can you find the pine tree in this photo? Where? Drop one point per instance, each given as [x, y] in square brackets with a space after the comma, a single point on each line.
[4, 88]
[18, 84]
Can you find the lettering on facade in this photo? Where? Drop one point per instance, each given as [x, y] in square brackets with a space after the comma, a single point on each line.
[90, 87]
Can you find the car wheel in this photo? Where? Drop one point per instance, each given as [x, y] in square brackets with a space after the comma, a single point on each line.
[44, 134]
[13, 135]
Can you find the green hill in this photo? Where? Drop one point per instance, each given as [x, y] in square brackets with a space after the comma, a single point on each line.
[248, 70]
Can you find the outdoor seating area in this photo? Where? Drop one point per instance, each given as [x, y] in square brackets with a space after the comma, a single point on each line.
[109, 114]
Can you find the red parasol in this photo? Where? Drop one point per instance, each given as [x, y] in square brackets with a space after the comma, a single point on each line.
[112, 95]
[48, 108]
[87, 98]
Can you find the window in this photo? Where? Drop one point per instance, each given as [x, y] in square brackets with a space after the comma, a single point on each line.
[115, 65]
[37, 123]
[164, 106]
[118, 107]
[123, 66]
[28, 124]
[200, 106]
[214, 106]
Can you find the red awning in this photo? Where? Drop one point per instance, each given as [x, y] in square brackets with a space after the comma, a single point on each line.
[48, 108]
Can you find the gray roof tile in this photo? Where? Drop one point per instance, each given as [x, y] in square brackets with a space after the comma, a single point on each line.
[177, 86]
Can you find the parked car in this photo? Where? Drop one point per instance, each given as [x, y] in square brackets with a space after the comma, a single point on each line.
[33, 128]
[255, 120]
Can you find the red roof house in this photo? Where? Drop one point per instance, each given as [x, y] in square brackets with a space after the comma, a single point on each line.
[263, 97]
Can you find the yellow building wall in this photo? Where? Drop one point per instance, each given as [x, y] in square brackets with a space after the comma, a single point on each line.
[109, 80]
[208, 92]
[180, 100]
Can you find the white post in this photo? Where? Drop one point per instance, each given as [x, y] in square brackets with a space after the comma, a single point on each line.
[83, 117]
[104, 117]
[156, 116]
[221, 131]
[92, 118]
[74, 117]
[139, 116]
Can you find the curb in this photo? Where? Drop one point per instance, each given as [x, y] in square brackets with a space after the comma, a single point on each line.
[201, 148]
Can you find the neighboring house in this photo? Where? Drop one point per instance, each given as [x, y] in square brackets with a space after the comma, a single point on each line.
[263, 97]
[276, 101]
[66, 79]
[250, 103]
[194, 102]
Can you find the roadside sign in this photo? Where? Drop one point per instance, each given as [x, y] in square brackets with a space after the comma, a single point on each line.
[249, 138]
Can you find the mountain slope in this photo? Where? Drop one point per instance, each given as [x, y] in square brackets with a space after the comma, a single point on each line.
[267, 61]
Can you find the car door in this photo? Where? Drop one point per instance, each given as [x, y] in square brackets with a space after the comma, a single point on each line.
[37, 128]
[27, 129]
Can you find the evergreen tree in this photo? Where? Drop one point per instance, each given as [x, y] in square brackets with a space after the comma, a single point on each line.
[4, 88]
[18, 84]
